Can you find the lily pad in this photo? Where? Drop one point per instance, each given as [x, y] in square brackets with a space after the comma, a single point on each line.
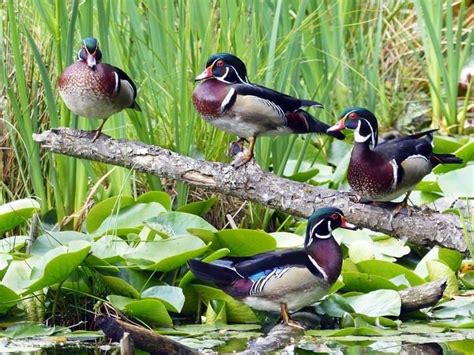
[156, 196]
[104, 209]
[237, 311]
[149, 310]
[454, 183]
[389, 270]
[460, 306]
[199, 208]
[179, 222]
[8, 298]
[457, 323]
[129, 219]
[110, 248]
[377, 303]
[245, 242]
[172, 297]
[438, 270]
[362, 282]
[17, 212]
[452, 258]
[52, 240]
[56, 265]
[120, 286]
[166, 254]
[287, 240]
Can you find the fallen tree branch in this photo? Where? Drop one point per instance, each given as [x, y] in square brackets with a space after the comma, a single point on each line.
[423, 296]
[251, 183]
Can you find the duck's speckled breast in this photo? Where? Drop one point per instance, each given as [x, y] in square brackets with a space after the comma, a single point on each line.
[208, 97]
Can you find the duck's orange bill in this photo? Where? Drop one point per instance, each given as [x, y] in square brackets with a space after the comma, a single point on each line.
[347, 225]
[340, 125]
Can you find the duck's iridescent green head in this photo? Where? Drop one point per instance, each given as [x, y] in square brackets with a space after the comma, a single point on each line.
[225, 67]
[90, 52]
[362, 121]
[323, 221]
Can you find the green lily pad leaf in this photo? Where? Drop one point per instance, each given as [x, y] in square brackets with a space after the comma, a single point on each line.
[428, 186]
[104, 209]
[236, 311]
[377, 303]
[18, 274]
[303, 176]
[178, 223]
[287, 240]
[216, 312]
[17, 212]
[199, 208]
[52, 240]
[149, 310]
[110, 248]
[460, 306]
[380, 321]
[85, 335]
[361, 250]
[206, 236]
[459, 322]
[12, 243]
[438, 270]
[452, 258]
[334, 306]
[446, 144]
[370, 331]
[100, 265]
[362, 282]
[120, 286]
[8, 298]
[454, 183]
[245, 242]
[129, 219]
[203, 329]
[4, 259]
[56, 265]
[166, 254]
[172, 297]
[468, 279]
[189, 276]
[389, 270]
[156, 196]
[30, 330]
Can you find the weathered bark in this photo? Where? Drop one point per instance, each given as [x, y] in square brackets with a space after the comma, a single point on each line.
[251, 183]
[423, 296]
[142, 338]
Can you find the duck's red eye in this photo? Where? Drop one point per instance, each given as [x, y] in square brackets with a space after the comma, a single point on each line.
[219, 63]
[353, 115]
[334, 216]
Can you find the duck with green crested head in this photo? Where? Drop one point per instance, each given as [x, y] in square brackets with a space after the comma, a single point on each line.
[227, 99]
[93, 89]
[283, 280]
[387, 170]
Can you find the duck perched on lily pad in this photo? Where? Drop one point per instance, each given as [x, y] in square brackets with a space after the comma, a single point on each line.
[385, 171]
[229, 101]
[93, 89]
[283, 280]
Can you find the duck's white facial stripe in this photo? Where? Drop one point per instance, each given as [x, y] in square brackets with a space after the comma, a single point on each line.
[362, 139]
[318, 267]
[238, 76]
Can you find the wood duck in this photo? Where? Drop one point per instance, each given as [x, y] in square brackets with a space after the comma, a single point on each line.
[228, 100]
[391, 168]
[93, 89]
[283, 280]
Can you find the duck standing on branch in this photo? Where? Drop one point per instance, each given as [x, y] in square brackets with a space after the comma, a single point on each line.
[283, 280]
[229, 101]
[392, 168]
[93, 89]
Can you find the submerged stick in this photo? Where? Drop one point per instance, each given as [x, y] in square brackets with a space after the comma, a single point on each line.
[251, 183]
[142, 338]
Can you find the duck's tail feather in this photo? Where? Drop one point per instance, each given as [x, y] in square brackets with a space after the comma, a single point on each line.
[217, 274]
